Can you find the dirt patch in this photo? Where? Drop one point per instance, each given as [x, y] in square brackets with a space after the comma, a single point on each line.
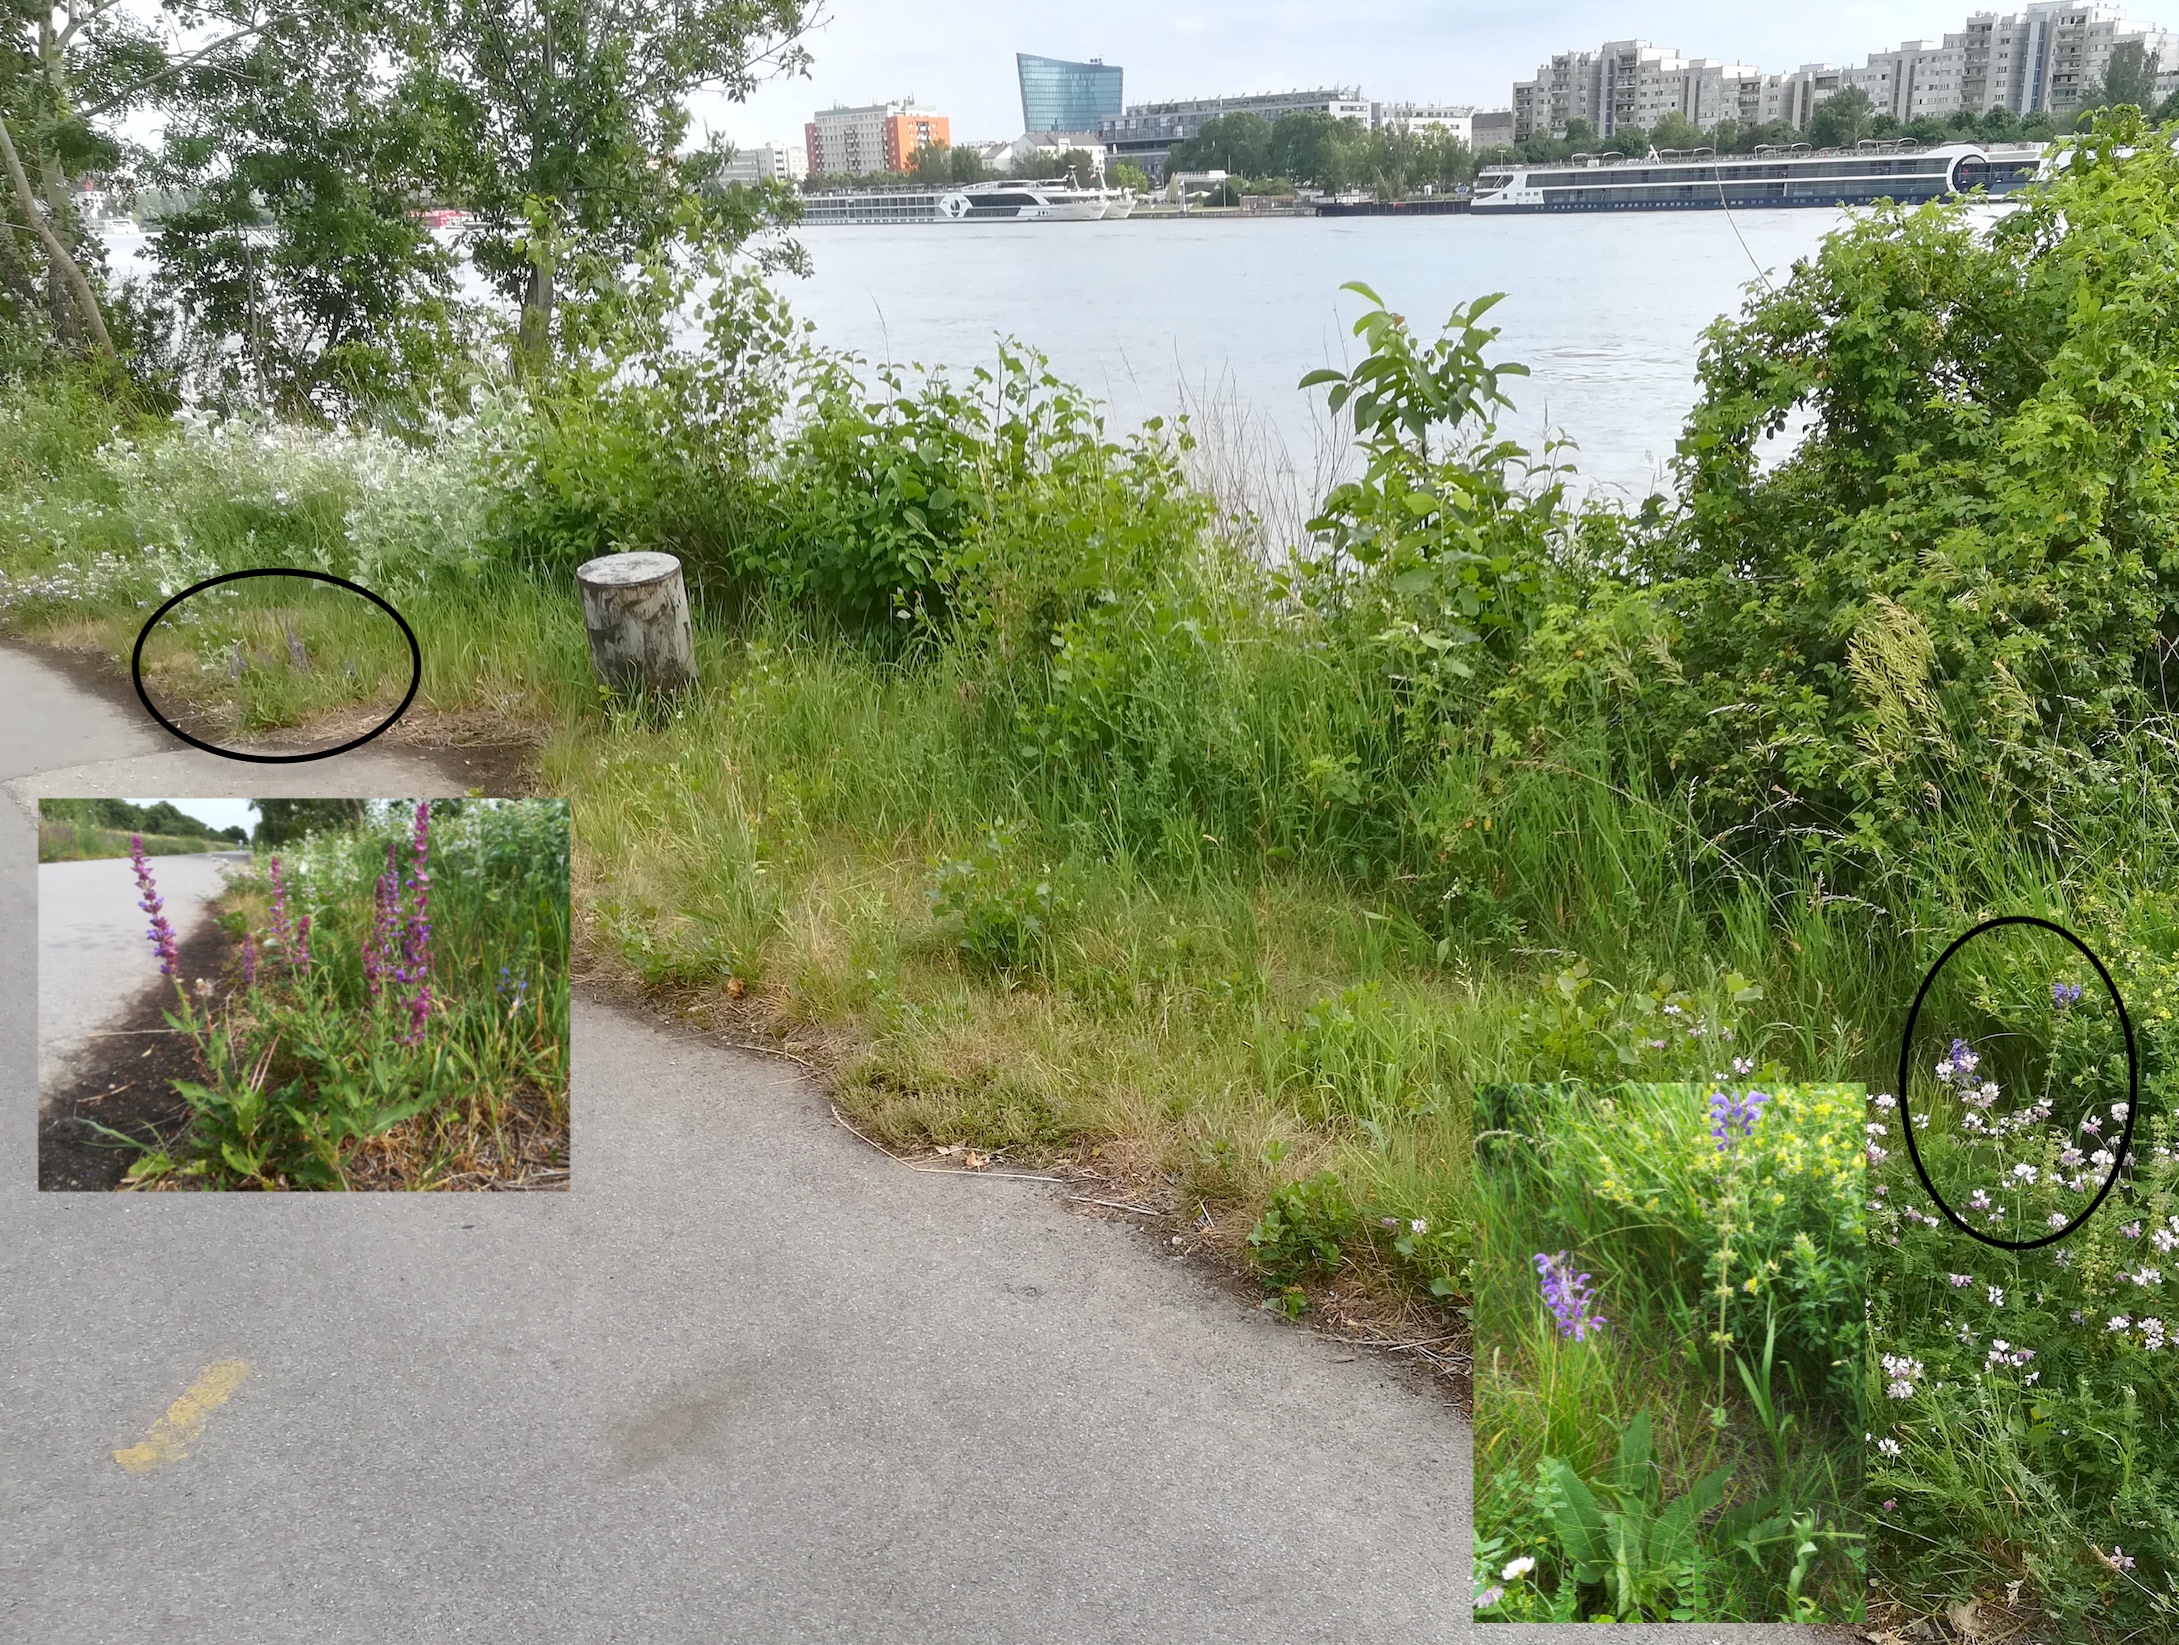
[493, 754]
[123, 1081]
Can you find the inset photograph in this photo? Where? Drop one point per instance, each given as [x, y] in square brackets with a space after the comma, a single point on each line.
[2024, 1301]
[1668, 1352]
[303, 994]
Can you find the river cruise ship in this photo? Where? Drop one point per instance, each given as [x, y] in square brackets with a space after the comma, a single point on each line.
[1056, 200]
[1679, 180]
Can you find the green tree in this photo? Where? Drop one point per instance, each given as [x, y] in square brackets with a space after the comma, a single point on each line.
[1123, 175]
[1676, 131]
[1235, 143]
[940, 165]
[561, 126]
[69, 73]
[283, 821]
[2129, 76]
[1305, 145]
[1957, 588]
[303, 162]
[1841, 119]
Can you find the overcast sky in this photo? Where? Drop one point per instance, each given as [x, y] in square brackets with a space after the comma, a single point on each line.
[957, 56]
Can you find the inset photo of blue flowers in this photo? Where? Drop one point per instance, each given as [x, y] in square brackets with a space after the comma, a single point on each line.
[1669, 1284]
[303, 994]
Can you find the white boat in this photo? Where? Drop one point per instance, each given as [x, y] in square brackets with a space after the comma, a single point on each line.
[1698, 179]
[1118, 201]
[1061, 200]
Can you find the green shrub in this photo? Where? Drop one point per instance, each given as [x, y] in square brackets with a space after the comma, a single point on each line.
[1000, 911]
[1302, 1229]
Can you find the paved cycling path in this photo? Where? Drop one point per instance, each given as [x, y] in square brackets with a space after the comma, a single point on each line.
[94, 955]
[747, 1380]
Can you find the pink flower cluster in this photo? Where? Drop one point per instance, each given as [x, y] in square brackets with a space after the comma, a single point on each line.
[400, 949]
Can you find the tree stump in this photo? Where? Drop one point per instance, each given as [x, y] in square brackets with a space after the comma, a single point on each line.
[637, 611]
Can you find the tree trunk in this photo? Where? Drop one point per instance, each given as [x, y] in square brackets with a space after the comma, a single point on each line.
[636, 609]
[64, 265]
[533, 338]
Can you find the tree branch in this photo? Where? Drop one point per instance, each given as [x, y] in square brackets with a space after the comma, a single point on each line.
[64, 264]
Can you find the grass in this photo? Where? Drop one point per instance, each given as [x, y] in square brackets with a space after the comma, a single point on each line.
[74, 842]
[1128, 841]
[376, 1032]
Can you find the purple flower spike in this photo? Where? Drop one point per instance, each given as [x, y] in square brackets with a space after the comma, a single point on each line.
[160, 933]
[302, 944]
[1733, 1115]
[415, 971]
[249, 962]
[282, 931]
[1568, 1295]
[378, 961]
[2064, 994]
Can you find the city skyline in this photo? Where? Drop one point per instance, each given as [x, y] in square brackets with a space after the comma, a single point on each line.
[1398, 50]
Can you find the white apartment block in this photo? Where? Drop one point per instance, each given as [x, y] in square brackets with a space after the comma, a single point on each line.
[2042, 58]
[1455, 120]
[768, 163]
[1793, 97]
[1633, 83]
[2045, 56]
[1922, 78]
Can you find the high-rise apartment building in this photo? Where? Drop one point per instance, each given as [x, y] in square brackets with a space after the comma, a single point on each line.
[872, 137]
[2044, 57]
[1063, 96]
[1633, 83]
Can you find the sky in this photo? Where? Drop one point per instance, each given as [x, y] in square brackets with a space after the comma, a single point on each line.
[957, 57]
[219, 813]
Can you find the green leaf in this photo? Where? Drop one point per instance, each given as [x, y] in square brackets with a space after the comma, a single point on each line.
[1578, 1520]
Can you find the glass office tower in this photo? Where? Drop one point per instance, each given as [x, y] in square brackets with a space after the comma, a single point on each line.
[1059, 96]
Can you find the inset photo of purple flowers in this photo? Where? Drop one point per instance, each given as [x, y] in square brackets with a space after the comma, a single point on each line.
[1668, 1350]
[303, 994]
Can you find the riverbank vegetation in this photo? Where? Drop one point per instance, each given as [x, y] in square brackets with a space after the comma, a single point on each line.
[77, 830]
[1055, 803]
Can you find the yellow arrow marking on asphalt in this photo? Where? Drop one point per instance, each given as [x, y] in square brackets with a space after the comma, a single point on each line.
[169, 1438]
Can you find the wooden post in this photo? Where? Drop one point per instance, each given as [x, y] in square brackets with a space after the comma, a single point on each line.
[637, 611]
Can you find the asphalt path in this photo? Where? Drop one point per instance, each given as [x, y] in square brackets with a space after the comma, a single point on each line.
[747, 1380]
[94, 949]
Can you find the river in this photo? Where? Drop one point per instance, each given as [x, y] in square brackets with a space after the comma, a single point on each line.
[1226, 315]
[1605, 311]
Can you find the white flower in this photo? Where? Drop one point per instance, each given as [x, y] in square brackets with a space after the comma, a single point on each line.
[1418, 1225]
[2024, 1172]
[1885, 1102]
[1518, 1568]
[1997, 1295]
[2119, 1322]
[1890, 1447]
